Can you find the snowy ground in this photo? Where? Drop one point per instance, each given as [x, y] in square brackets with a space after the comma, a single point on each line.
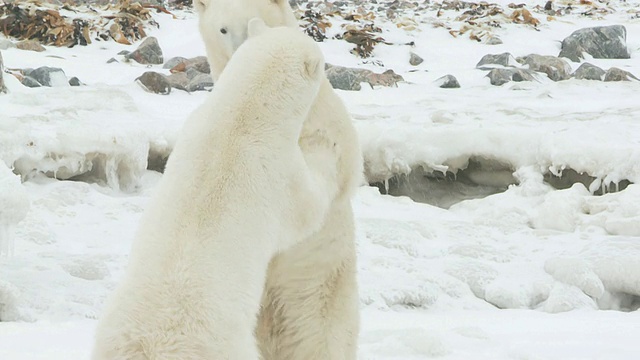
[528, 273]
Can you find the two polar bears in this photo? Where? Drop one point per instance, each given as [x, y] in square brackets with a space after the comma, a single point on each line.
[248, 251]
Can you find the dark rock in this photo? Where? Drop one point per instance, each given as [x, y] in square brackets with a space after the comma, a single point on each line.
[179, 80]
[448, 82]
[616, 74]
[555, 68]
[351, 78]
[588, 71]
[30, 82]
[502, 76]
[192, 73]
[345, 78]
[30, 45]
[6, 44]
[48, 76]
[491, 61]
[415, 59]
[112, 60]
[200, 82]
[155, 83]
[173, 62]
[74, 81]
[601, 42]
[3, 89]
[198, 63]
[149, 52]
[124, 52]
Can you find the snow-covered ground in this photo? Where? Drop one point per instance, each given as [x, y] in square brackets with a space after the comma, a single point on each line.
[520, 271]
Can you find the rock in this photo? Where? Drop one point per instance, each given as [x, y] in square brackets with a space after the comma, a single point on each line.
[345, 78]
[494, 40]
[191, 75]
[616, 74]
[502, 76]
[124, 52]
[48, 76]
[30, 45]
[149, 52]
[448, 82]
[351, 78]
[555, 68]
[112, 60]
[74, 81]
[601, 42]
[415, 59]
[154, 82]
[491, 61]
[3, 89]
[198, 63]
[387, 79]
[173, 62]
[200, 82]
[179, 80]
[6, 44]
[588, 71]
[30, 82]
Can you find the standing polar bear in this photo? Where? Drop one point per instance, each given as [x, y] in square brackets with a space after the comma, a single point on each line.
[310, 304]
[237, 190]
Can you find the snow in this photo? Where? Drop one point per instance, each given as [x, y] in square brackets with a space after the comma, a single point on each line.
[505, 267]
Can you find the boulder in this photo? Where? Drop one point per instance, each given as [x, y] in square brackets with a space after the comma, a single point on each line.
[491, 61]
[502, 76]
[149, 52]
[616, 74]
[30, 45]
[448, 82]
[415, 59]
[350, 79]
[154, 82]
[601, 42]
[555, 68]
[48, 76]
[588, 71]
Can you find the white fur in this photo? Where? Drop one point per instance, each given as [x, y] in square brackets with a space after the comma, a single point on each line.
[310, 304]
[236, 191]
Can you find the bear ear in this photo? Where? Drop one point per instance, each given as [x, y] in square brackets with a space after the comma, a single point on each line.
[256, 26]
[201, 4]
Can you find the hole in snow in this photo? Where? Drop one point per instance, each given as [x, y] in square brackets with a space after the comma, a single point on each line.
[481, 177]
[568, 177]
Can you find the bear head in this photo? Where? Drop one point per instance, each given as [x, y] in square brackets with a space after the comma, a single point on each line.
[223, 25]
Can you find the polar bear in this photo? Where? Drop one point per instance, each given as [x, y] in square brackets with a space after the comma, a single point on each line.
[236, 191]
[310, 306]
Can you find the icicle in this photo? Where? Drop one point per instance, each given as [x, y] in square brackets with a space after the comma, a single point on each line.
[386, 186]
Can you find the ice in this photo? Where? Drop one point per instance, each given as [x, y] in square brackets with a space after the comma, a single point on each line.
[14, 205]
[576, 272]
[561, 210]
[9, 302]
[566, 298]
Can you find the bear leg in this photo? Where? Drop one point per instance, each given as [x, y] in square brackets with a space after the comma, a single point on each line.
[310, 307]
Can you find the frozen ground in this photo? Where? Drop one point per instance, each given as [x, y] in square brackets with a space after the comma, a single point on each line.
[520, 271]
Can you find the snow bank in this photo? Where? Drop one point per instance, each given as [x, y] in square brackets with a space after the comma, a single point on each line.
[14, 205]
